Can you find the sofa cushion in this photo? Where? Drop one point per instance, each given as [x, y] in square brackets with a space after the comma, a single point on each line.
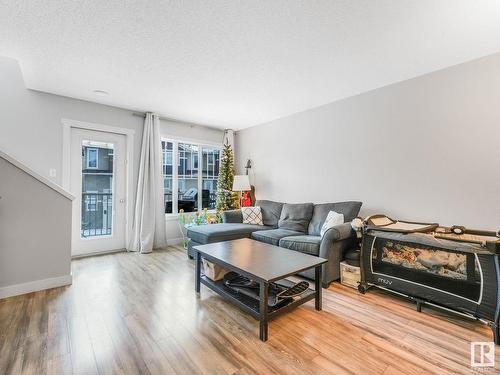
[221, 232]
[349, 209]
[232, 216]
[296, 216]
[305, 244]
[271, 212]
[273, 236]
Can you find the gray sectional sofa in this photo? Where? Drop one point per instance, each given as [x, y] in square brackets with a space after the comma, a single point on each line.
[292, 226]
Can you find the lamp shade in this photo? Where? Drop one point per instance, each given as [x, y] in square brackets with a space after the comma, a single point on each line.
[241, 183]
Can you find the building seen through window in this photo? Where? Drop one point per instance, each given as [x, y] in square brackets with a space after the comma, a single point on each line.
[97, 189]
[195, 189]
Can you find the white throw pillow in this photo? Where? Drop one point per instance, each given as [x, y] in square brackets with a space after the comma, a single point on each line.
[252, 215]
[333, 218]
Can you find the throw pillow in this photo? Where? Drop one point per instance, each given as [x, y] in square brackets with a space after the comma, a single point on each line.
[296, 216]
[252, 215]
[333, 218]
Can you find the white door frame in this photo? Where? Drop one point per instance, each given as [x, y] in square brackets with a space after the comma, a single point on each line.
[67, 125]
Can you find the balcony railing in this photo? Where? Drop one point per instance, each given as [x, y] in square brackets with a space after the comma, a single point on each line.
[208, 201]
[97, 214]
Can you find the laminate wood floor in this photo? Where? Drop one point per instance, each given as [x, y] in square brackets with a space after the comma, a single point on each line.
[128, 313]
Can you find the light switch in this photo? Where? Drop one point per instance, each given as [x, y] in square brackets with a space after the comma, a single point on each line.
[52, 172]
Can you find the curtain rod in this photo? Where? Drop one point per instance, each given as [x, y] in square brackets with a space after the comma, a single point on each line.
[192, 124]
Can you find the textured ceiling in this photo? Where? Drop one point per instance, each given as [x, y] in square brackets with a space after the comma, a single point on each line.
[238, 63]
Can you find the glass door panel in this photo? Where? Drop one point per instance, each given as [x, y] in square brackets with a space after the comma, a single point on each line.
[97, 189]
[98, 181]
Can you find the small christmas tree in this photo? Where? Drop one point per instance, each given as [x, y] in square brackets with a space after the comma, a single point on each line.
[226, 198]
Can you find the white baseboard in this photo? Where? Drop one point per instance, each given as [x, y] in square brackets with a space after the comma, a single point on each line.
[91, 254]
[35, 286]
[174, 241]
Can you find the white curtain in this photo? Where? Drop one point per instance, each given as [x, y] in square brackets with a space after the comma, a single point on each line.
[149, 231]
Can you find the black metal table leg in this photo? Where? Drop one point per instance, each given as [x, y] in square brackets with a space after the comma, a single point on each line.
[264, 296]
[198, 271]
[318, 288]
[495, 329]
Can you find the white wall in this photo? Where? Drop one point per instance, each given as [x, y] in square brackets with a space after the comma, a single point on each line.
[190, 132]
[34, 251]
[31, 129]
[30, 121]
[423, 149]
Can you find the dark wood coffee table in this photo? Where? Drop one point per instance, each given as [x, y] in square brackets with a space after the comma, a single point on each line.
[263, 263]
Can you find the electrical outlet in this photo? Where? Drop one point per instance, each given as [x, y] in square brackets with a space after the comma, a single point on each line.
[52, 172]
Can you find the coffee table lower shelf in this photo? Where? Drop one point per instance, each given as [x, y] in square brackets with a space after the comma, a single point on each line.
[265, 264]
[251, 305]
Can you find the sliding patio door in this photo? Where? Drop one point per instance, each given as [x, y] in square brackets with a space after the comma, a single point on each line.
[98, 181]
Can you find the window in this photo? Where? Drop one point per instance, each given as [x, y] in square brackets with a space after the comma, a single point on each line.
[92, 158]
[97, 189]
[167, 157]
[91, 200]
[167, 149]
[183, 184]
[210, 174]
[187, 198]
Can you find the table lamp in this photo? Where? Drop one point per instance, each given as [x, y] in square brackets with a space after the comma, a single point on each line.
[241, 183]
